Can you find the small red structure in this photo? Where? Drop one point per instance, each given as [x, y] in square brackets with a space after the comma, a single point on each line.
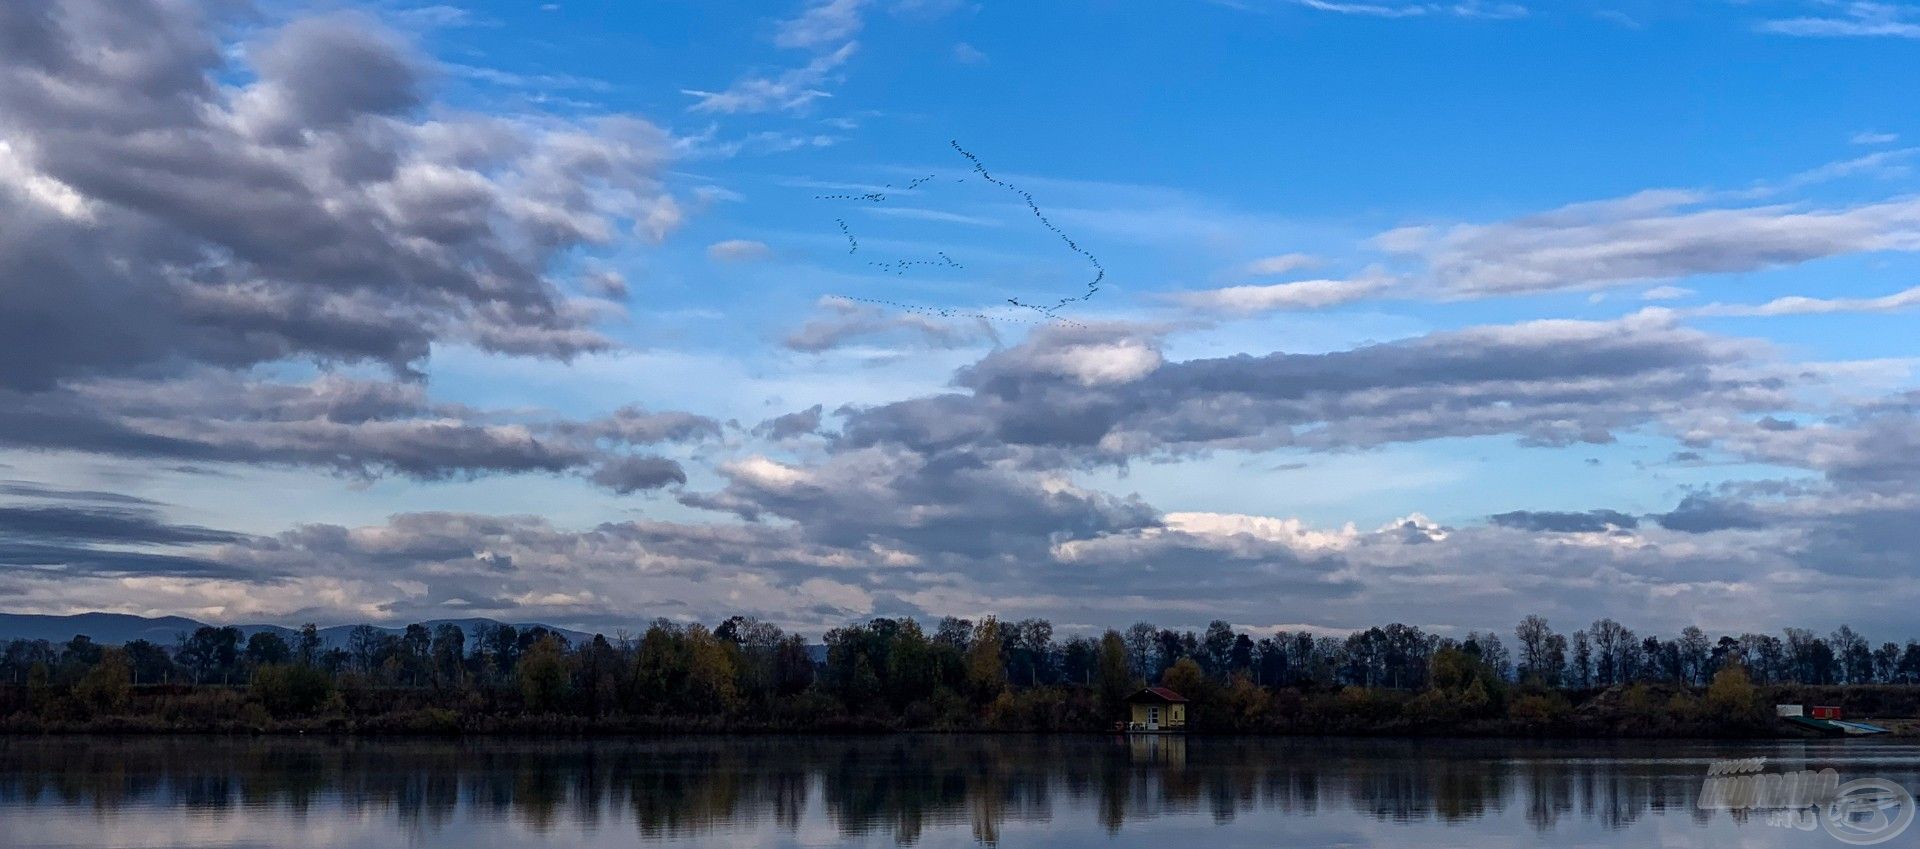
[1824, 712]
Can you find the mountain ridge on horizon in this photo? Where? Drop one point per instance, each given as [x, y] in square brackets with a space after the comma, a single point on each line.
[123, 628]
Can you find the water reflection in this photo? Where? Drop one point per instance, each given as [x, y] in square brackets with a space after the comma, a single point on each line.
[772, 790]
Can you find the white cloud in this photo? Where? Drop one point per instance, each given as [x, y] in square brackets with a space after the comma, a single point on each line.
[826, 22]
[1298, 295]
[1885, 164]
[1800, 305]
[1857, 19]
[764, 473]
[967, 54]
[1650, 236]
[1666, 293]
[1463, 9]
[1101, 364]
[18, 174]
[1281, 264]
[739, 250]
[1871, 137]
[791, 90]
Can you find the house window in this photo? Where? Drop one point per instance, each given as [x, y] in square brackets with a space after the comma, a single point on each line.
[1153, 716]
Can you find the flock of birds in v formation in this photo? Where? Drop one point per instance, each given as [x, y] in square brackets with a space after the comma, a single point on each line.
[1048, 311]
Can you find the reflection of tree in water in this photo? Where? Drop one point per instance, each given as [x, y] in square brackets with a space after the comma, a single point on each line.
[903, 787]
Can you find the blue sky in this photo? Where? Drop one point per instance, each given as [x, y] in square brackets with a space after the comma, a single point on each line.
[1395, 295]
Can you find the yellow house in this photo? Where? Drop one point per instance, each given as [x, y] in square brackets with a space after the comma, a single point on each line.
[1157, 709]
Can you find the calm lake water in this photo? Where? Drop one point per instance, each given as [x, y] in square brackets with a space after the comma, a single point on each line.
[912, 790]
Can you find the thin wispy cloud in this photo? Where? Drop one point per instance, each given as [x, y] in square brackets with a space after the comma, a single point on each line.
[791, 90]
[1851, 20]
[1466, 9]
[1800, 305]
[828, 22]
[1297, 295]
[1280, 264]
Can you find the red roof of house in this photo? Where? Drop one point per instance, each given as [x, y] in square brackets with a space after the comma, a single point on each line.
[1157, 694]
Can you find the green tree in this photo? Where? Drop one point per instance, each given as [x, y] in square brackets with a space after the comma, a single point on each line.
[308, 645]
[1116, 673]
[1186, 678]
[150, 663]
[107, 686]
[267, 648]
[1732, 695]
[986, 674]
[542, 673]
[711, 669]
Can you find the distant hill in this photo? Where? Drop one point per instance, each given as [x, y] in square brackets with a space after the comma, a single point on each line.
[121, 628]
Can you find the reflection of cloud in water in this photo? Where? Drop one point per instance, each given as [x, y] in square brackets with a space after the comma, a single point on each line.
[940, 790]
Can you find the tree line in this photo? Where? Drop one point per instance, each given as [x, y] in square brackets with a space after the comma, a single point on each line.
[890, 672]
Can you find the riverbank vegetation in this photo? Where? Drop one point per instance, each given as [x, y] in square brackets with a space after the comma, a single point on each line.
[895, 674]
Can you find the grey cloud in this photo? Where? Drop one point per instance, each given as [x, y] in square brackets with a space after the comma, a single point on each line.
[948, 502]
[846, 321]
[1591, 521]
[51, 561]
[355, 427]
[1701, 514]
[635, 426]
[1651, 236]
[301, 84]
[1871, 446]
[1096, 569]
[611, 575]
[626, 475]
[793, 424]
[66, 533]
[99, 524]
[1107, 396]
[158, 219]
[32, 490]
[166, 233]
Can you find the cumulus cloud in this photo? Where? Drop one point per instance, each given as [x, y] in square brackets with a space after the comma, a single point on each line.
[320, 211]
[629, 474]
[170, 233]
[952, 503]
[1105, 395]
[1105, 560]
[800, 423]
